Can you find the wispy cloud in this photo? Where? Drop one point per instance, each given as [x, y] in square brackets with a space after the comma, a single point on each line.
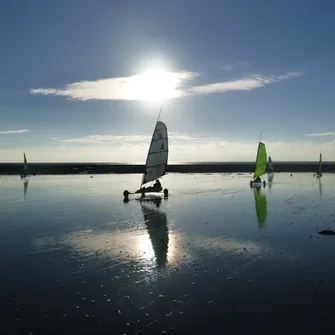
[244, 84]
[8, 132]
[123, 88]
[57, 138]
[136, 139]
[170, 85]
[227, 68]
[330, 133]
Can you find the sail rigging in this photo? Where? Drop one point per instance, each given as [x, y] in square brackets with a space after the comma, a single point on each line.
[156, 163]
[260, 168]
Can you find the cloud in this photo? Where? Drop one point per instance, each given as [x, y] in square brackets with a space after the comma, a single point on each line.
[157, 86]
[135, 139]
[331, 133]
[136, 87]
[8, 132]
[227, 68]
[244, 84]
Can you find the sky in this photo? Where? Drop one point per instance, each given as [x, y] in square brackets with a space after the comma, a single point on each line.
[83, 81]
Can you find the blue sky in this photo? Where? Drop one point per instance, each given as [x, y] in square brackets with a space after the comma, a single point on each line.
[71, 83]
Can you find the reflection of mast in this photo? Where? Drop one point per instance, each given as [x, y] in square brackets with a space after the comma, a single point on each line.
[156, 223]
[25, 187]
[320, 187]
[261, 206]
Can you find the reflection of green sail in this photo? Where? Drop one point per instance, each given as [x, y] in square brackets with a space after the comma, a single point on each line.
[260, 160]
[261, 206]
[320, 187]
[156, 223]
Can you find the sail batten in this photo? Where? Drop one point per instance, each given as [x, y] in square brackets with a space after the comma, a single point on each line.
[156, 163]
[261, 163]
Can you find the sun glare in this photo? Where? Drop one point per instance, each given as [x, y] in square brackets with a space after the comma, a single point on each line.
[154, 85]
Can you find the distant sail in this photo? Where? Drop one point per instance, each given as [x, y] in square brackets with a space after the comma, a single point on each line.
[318, 171]
[270, 165]
[157, 158]
[260, 160]
[25, 164]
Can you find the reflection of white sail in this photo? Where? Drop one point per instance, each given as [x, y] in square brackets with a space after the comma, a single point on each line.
[25, 187]
[156, 223]
[157, 158]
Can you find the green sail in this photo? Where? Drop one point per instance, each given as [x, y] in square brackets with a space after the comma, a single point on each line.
[260, 160]
[261, 207]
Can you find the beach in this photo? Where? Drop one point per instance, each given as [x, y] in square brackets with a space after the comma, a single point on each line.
[121, 168]
[214, 257]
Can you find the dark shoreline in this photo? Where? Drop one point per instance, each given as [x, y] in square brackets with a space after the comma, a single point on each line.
[104, 168]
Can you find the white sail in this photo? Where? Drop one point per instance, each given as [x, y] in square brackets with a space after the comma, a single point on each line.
[157, 158]
[25, 164]
[270, 165]
[318, 171]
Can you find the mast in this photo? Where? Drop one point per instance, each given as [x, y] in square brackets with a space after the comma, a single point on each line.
[159, 114]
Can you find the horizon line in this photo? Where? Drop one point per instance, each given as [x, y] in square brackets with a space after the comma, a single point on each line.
[174, 163]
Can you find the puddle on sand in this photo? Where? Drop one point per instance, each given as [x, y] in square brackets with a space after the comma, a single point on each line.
[75, 256]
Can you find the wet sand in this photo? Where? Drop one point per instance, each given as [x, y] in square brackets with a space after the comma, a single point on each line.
[215, 257]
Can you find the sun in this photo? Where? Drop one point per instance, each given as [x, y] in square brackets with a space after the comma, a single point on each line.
[154, 85]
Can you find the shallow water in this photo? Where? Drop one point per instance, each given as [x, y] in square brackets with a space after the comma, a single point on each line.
[215, 257]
